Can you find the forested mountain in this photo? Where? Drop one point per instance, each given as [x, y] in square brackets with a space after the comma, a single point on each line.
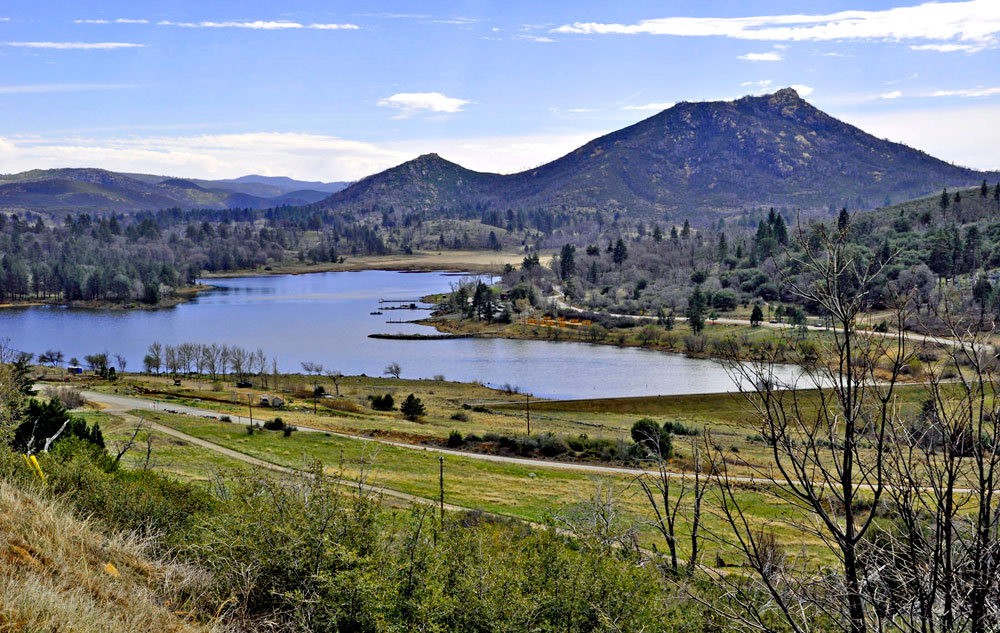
[726, 155]
[102, 191]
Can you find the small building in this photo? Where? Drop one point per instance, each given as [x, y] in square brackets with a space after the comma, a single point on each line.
[265, 401]
[277, 402]
[75, 369]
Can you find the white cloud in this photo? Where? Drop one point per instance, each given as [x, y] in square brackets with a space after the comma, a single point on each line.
[895, 94]
[948, 48]
[969, 92]
[117, 21]
[970, 22]
[802, 89]
[411, 102]
[835, 55]
[335, 27]
[263, 25]
[75, 45]
[763, 83]
[580, 110]
[650, 106]
[44, 88]
[307, 156]
[761, 57]
[535, 38]
[964, 135]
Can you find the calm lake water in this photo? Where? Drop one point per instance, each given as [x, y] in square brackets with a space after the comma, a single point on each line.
[324, 318]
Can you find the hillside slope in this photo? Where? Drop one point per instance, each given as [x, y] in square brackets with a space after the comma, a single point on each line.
[756, 151]
[103, 191]
[54, 574]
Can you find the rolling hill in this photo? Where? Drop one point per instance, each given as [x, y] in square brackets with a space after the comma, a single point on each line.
[103, 191]
[766, 150]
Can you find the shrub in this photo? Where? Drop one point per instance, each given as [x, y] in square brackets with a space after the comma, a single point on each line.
[288, 430]
[677, 428]
[550, 445]
[649, 433]
[455, 439]
[460, 416]
[383, 403]
[70, 397]
[225, 418]
[277, 424]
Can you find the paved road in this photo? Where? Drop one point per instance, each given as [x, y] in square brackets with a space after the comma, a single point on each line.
[119, 404]
[912, 337]
[121, 407]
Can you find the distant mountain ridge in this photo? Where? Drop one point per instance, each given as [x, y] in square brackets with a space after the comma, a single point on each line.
[765, 150]
[100, 190]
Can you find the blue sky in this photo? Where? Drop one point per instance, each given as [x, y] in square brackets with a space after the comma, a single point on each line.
[337, 90]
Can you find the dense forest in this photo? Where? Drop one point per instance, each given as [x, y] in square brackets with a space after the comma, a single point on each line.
[930, 246]
[606, 261]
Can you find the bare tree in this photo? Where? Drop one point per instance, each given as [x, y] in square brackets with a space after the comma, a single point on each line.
[123, 447]
[393, 369]
[335, 376]
[121, 362]
[666, 492]
[828, 443]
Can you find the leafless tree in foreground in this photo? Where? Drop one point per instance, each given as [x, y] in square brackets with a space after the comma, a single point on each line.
[829, 445]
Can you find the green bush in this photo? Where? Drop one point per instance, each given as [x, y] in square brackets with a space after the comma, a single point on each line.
[455, 439]
[277, 424]
[383, 403]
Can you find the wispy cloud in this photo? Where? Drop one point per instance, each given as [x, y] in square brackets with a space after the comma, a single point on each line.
[761, 57]
[75, 45]
[311, 156]
[895, 94]
[647, 107]
[762, 84]
[42, 88]
[803, 90]
[969, 92]
[263, 25]
[412, 102]
[948, 48]
[973, 22]
[116, 21]
[534, 38]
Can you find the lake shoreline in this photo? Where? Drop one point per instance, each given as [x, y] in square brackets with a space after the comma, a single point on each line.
[179, 296]
[476, 262]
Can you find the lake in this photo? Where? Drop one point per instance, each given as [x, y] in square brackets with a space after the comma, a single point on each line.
[324, 318]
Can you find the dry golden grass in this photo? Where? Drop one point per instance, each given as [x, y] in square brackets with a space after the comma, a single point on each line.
[58, 573]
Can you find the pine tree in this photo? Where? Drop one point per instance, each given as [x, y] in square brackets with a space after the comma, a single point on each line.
[657, 234]
[567, 263]
[695, 311]
[722, 250]
[620, 253]
[984, 190]
[686, 230]
[757, 315]
[412, 408]
[843, 220]
[944, 202]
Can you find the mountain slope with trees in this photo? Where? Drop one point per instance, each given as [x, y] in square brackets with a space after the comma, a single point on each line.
[725, 155]
[102, 191]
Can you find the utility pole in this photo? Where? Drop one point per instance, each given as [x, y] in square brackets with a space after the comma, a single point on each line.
[527, 411]
[441, 481]
[250, 404]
